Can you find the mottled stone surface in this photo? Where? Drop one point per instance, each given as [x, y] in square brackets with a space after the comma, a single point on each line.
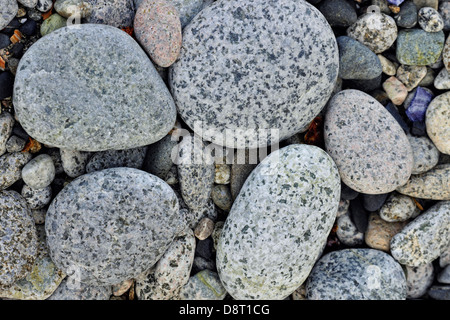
[44, 5]
[157, 27]
[444, 259]
[444, 11]
[130, 158]
[75, 8]
[158, 159]
[396, 90]
[116, 13]
[15, 144]
[36, 198]
[356, 274]
[418, 47]
[204, 229]
[121, 288]
[380, 232]
[222, 174]
[39, 172]
[437, 120]
[433, 184]
[387, 66]
[8, 10]
[239, 64]
[18, 238]
[204, 285]
[54, 22]
[72, 289]
[74, 162]
[446, 53]
[11, 165]
[347, 232]
[278, 223]
[28, 3]
[398, 207]
[442, 80]
[221, 196]
[108, 233]
[419, 280]
[425, 238]
[377, 31]
[425, 153]
[172, 271]
[411, 76]
[370, 149]
[6, 126]
[124, 105]
[43, 278]
[430, 20]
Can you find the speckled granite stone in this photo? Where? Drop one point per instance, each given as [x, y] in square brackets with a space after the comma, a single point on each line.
[370, 149]
[446, 53]
[419, 280]
[377, 31]
[171, 272]
[442, 80]
[425, 238]
[444, 258]
[43, 278]
[418, 47]
[6, 126]
[8, 10]
[433, 184]
[108, 233]
[158, 159]
[52, 23]
[38, 215]
[356, 274]
[437, 120]
[195, 172]
[15, 144]
[347, 232]
[380, 232]
[130, 158]
[411, 76]
[68, 8]
[343, 207]
[116, 13]
[11, 165]
[44, 5]
[74, 162]
[204, 285]
[278, 223]
[430, 20]
[398, 207]
[18, 238]
[157, 27]
[37, 198]
[243, 71]
[124, 105]
[28, 3]
[39, 172]
[71, 289]
[425, 154]
[407, 17]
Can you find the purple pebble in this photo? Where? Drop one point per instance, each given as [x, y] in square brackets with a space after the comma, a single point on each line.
[395, 2]
[419, 104]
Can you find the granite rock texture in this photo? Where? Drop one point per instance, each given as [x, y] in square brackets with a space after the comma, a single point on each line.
[437, 120]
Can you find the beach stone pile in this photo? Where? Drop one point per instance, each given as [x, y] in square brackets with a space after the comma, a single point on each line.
[224, 149]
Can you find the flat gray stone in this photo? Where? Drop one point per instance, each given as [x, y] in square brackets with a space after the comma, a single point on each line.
[130, 158]
[356, 274]
[108, 233]
[125, 104]
[425, 238]
[8, 10]
[11, 165]
[243, 72]
[18, 238]
[279, 223]
[370, 148]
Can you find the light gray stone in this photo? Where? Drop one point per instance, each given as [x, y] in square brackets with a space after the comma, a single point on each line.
[6, 126]
[419, 280]
[347, 232]
[39, 172]
[398, 207]
[356, 274]
[278, 223]
[11, 165]
[44, 5]
[74, 162]
[72, 289]
[430, 20]
[38, 215]
[444, 259]
[438, 122]
[8, 10]
[425, 238]
[370, 148]
[204, 285]
[425, 154]
[109, 233]
[15, 144]
[73, 8]
[37, 198]
[116, 13]
[263, 72]
[125, 104]
[28, 3]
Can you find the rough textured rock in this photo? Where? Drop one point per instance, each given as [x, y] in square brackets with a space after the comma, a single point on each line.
[356, 274]
[116, 13]
[11, 165]
[437, 120]
[433, 184]
[411, 76]
[204, 285]
[125, 103]
[370, 149]
[39, 172]
[130, 158]
[425, 238]
[380, 232]
[262, 239]
[6, 126]
[259, 63]
[419, 280]
[8, 11]
[107, 233]
[18, 241]
[430, 20]
[157, 27]
[37, 198]
[418, 47]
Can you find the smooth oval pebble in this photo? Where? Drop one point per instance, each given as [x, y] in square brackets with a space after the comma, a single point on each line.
[398, 208]
[369, 147]
[356, 274]
[246, 78]
[107, 233]
[430, 20]
[380, 232]
[278, 223]
[425, 153]
[125, 104]
[437, 120]
[157, 27]
[425, 238]
[39, 172]
[11, 165]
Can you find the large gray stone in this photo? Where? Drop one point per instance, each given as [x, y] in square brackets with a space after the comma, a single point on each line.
[279, 223]
[8, 10]
[107, 92]
[247, 67]
[108, 233]
[116, 13]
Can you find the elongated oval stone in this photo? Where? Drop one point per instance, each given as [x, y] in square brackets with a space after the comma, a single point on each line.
[437, 121]
[104, 233]
[278, 223]
[247, 67]
[370, 148]
[97, 90]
